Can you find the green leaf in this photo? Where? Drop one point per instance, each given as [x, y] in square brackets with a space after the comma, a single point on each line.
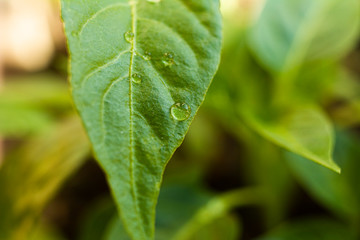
[31, 176]
[20, 120]
[116, 230]
[289, 33]
[216, 208]
[25, 102]
[303, 130]
[186, 212]
[314, 228]
[44, 232]
[139, 72]
[97, 220]
[340, 193]
[36, 90]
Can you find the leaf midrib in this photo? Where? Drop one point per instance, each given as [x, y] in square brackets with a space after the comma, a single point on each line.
[132, 4]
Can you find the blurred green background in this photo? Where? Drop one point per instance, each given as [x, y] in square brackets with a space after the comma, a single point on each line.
[287, 89]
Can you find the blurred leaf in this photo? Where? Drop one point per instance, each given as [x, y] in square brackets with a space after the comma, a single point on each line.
[31, 176]
[343, 99]
[241, 84]
[19, 121]
[44, 232]
[201, 147]
[340, 193]
[303, 130]
[215, 208]
[181, 207]
[239, 80]
[225, 227]
[97, 221]
[28, 103]
[116, 231]
[289, 33]
[268, 169]
[314, 228]
[243, 91]
[138, 87]
[177, 205]
[314, 81]
[39, 90]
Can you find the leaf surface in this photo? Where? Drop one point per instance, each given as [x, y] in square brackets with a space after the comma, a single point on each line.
[139, 72]
[304, 130]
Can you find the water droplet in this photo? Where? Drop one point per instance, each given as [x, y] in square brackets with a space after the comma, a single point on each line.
[74, 33]
[154, 1]
[168, 59]
[136, 78]
[147, 56]
[180, 111]
[129, 36]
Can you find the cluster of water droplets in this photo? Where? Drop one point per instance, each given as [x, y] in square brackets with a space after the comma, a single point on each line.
[168, 59]
[178, 111]
[147, 56]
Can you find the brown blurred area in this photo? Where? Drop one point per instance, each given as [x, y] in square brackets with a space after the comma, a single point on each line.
[31, 33]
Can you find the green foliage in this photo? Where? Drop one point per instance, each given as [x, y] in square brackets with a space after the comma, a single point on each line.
[305, 131]
[184, 213]
[25, 103]
[304, 31]
[312, 228]
[340, 193]
[31, 176]
[137, 86]
[284, 104]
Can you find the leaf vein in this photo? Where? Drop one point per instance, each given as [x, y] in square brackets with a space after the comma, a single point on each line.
[103, 97]
[177, 34]
[96, 14]
[197, 18]
[98, 69]
[131, 140]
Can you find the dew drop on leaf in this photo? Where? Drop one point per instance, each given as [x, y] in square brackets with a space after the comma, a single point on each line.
[154, 1]
[168, 59]
[136, 78]
[129, 36]
[180, 111]
[147, 56]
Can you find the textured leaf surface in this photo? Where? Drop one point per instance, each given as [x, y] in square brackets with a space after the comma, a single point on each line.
[303, 30]
[125, 98]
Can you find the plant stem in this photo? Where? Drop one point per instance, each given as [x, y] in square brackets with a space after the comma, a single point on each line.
[218, 207]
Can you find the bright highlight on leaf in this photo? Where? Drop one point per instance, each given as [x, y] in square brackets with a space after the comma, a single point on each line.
[131, 61]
